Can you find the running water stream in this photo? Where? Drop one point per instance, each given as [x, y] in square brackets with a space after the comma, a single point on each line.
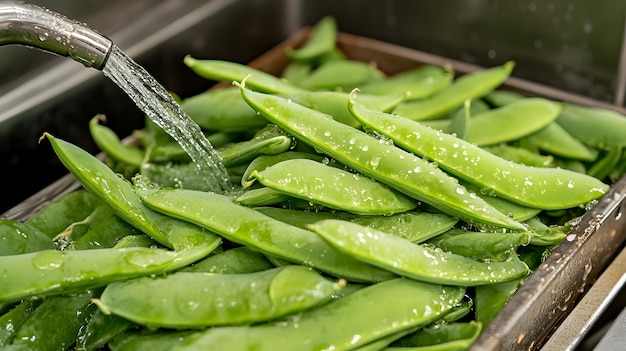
[160, 107]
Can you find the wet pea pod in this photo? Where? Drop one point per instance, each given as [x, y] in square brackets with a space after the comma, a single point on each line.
[175, 175]
[332, 187]
[100, 329]
[382, 309]
[339, 75]
[542, 188]
[606, 162]
[520, 155]
[199, 300]
[490, 299]
[264, 161]
[263, 196]
[444, 337]
[555, 140]
[112, 146]
[481, 245]
[419, 262]
[162, 340]
[12, 320]
[19, 238]
[469, 86]
[322, 40]
[596, 127]
[51, 272]
[118, 193]
[384, 162]
[417, 83]
[245, 226]
[268, 141]
[238, 260]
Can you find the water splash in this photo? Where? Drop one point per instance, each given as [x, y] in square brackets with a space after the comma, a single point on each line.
[160, 107]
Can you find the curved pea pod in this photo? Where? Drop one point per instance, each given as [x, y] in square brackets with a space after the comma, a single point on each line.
[596, 127]
[490, 299]
[555, 140]
[12, 320]
[603, 166]
[542, 188]
[340, 75]
[380, 309]
[226, 71]
[237, 260]
[480, 245]
[53, 272]
[263, 196]
[173, 174]
[512, 121]
[199, 300]
[321, 40]
[54, 324]
[57, 215]
[499, 98]
[136, 241]
[248, 227]
[415, 261]
[386, 163]
[99, 330]
[269, 140]
[520, 155]
[469, 86]
[516, 211]
[296, 71]
[460, 122]
[222, 110]
[18, 238]
[332, 187]
[445, 336]
[118, 193]
[264, 161]
[162, 340]
[111, 145]
[417, 83]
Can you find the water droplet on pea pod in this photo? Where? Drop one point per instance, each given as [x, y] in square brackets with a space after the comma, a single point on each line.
[48, 260]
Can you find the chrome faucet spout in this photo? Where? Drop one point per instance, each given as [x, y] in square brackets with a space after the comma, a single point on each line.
[30, 25]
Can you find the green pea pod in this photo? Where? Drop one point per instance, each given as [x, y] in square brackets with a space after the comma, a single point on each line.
[555, 140]
[596, 127]
[264, 161]
[57, 215]
[544, 235]
[321, 41]
[267, 141]
[381, 309]
[246, 226]
[54, 324]
[443, 337]
[53, 271]
[238, 260]
[136, 241]
[343, 75]
[384, 162]
[469, 86]
[296, 71]
[480, 245]
[499, 98]
[603, 167]
[226, 71]
[460, 122]
[418, 83]
[11, 321]
[175, 175]
[111, 145]
[18, 238]
[101, 181]
[162, 340]
[99, 330]
[332, 187]
[542, 188]
[264, 196]
[520, 155]
[197, 300]
[222, 110]
[415, 261]
[490, 299]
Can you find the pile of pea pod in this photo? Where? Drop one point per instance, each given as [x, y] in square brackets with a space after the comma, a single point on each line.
[367, 212]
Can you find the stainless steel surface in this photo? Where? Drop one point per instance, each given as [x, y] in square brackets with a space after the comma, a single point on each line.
[30, 25]
[615, 338]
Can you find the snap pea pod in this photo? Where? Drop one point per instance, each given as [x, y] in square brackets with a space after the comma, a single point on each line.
[101, 181]
[321, 41]
[480, 245]
[460, 122]
[54, 324]
[269, 140]
[264, 196]
[603, 166]
[415, 261]
[18, 238]
[222, 110]
[99, 330]
[246, 226]
[490, 299]
[175, 175]
[136, 241]
[469, 86]
[162, 340]
[264, 161]
[237, 260]
[198, 300]
[340, 75]
[596, 127]
[520, 155]
[386, 163]
[112, 146]
[555, 140]
[417, 83]
[11, 321]
[62, 212]
[542, 188]
[53, 272]
[332, 187]
[380, 309]
[296, 71]
[441, 337]
[502, 97]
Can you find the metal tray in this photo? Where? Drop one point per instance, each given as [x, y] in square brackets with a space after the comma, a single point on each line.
[545, 299]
